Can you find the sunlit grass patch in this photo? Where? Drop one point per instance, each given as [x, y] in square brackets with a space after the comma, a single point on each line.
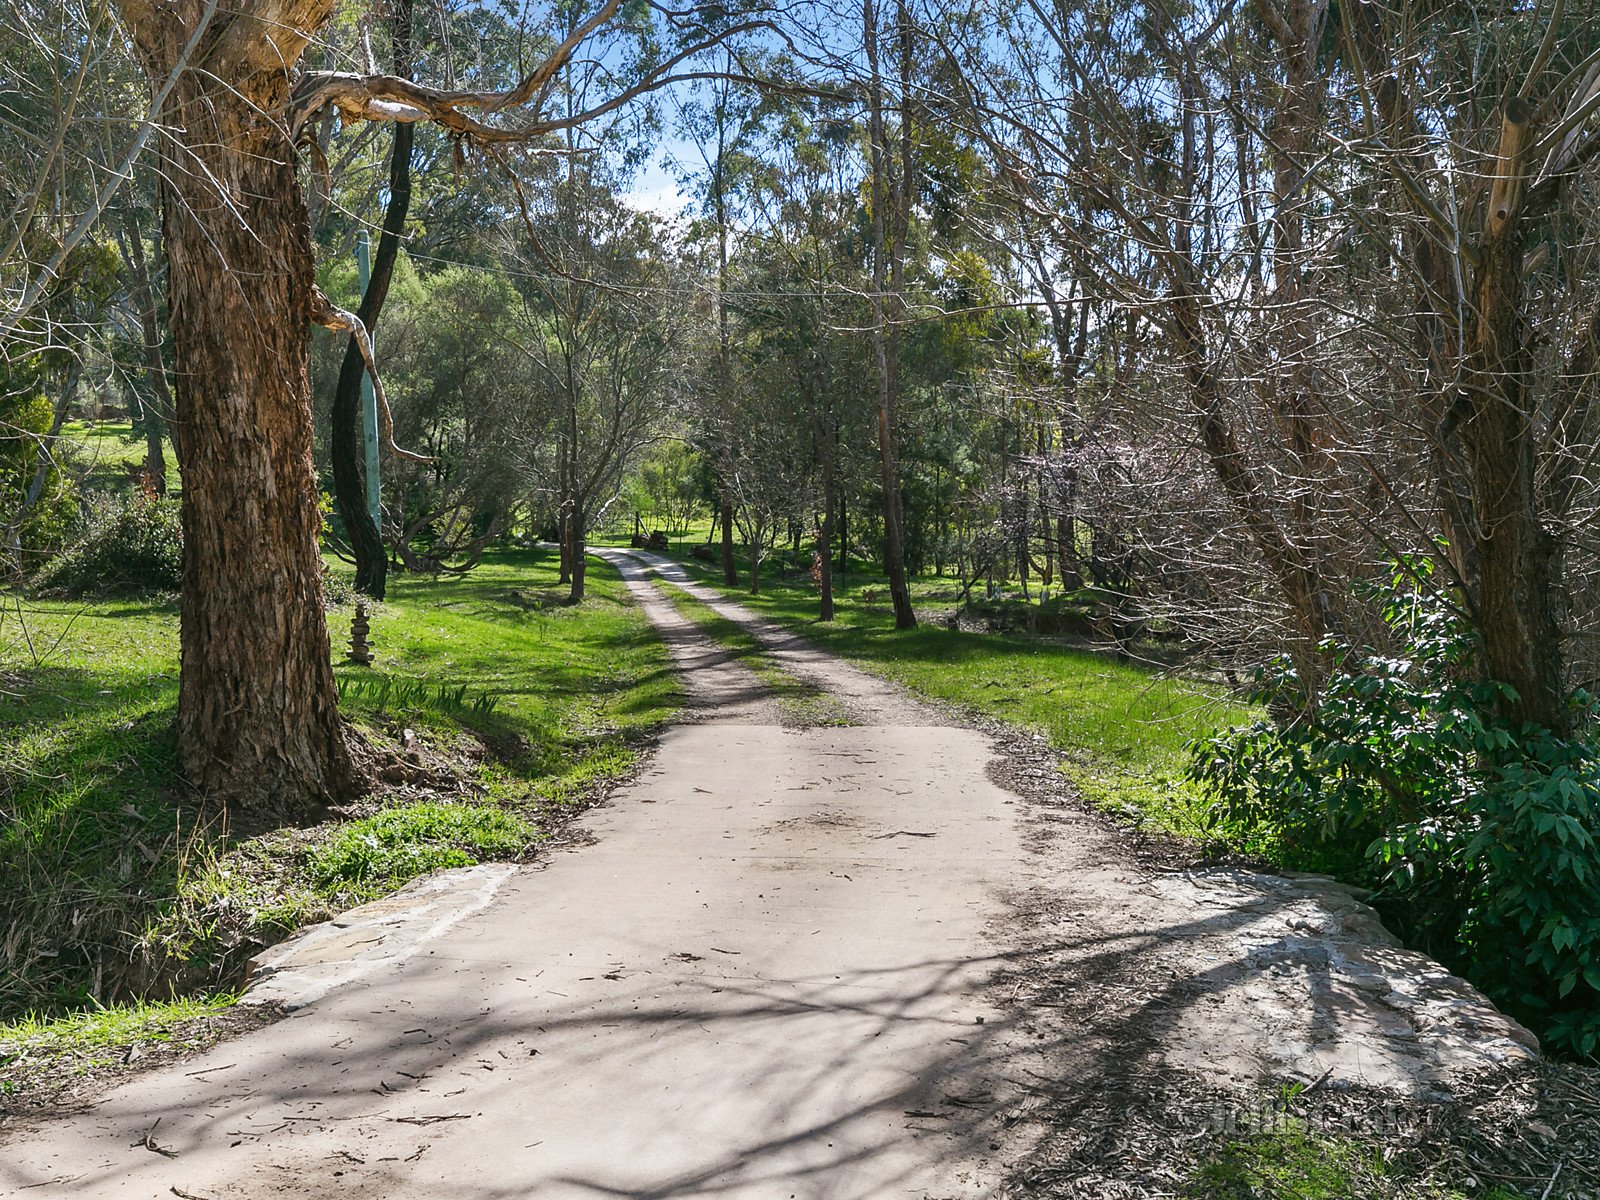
[1291, 1161]
[375, 853]
[51, 1051]
[103, 1028]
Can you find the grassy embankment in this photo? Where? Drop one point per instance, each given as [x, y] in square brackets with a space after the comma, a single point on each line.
[502, 706]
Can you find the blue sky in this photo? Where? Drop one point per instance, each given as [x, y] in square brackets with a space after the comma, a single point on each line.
[655, 187]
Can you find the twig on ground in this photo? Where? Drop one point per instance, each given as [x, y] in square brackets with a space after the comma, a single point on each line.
[149, 1143]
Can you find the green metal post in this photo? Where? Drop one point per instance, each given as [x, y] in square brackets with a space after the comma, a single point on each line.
[369, 398]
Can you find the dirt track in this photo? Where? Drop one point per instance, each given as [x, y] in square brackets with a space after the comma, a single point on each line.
[787, 966]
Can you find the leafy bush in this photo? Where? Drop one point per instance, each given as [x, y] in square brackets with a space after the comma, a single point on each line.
[1487, 832]
[24, 423]
[129, 545]
[338, 588]
[398, 844]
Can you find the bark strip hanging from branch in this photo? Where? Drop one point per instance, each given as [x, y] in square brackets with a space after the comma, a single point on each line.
[326, 314]
[390, 98]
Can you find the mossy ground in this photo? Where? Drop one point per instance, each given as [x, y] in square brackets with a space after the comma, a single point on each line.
[1292, 1161]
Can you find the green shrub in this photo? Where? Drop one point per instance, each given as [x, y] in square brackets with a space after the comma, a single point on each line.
[397, 844]
[1486, 832]
[24, 424]
[337, 588]
[129, 546]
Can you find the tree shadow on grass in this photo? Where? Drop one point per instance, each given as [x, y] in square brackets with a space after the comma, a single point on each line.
[50, 695]
[89, 847]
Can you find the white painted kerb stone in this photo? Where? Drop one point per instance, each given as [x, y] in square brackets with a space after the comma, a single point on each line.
[322, 957]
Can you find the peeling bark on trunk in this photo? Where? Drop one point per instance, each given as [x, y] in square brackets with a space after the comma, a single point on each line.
[258, 719]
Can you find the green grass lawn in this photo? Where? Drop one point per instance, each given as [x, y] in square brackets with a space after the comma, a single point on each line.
[104, 873]
[104, 451]
[1123, 728]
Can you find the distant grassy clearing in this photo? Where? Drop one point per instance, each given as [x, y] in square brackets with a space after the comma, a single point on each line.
[1123, 728]
[800, 703]
[104, 451]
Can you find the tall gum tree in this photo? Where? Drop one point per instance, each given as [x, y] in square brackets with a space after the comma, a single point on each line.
[1492, 404]
[258, 720]
[891, 200]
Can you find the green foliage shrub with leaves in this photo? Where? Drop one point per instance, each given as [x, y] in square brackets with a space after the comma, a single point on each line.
[130, 545]
[1486, 832]
[24, 425]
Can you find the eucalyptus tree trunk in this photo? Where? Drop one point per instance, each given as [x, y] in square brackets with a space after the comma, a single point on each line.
[888, 258]
[830, 489]
[258, 717]
[44, 460]
[730, 569]
[577, 560]
[844, 535]
[1297, 123]
[346, 444]
[1517, 586]
[155, 367]
[564, 487]
[1290, 567]
[1484, 438]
